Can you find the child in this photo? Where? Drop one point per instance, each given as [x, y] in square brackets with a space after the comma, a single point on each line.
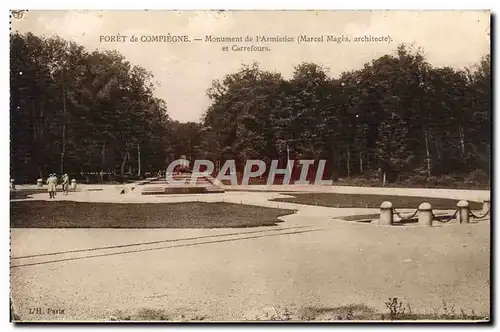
[65, 184]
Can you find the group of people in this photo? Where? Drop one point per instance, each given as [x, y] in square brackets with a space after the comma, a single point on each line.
[52, 184]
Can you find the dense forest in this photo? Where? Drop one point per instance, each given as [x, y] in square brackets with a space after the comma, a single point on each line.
[396, 119]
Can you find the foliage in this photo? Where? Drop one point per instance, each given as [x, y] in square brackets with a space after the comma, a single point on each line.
[396, 116]
[477, 176]
[85, 112]
[395, 308]
[77, 112]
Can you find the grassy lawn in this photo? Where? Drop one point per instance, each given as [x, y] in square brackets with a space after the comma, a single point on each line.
[371, 201]
[57, 214]
[26, 193]
[363, 182]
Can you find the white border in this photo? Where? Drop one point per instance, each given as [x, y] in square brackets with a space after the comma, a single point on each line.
[256, 4]
[185, 4]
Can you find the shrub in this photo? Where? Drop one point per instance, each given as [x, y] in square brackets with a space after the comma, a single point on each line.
[416, 179]
[432, 181]
[477, 176]
[364, 182]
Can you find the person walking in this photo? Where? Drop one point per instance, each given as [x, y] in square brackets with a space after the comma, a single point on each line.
[55, 184]
[65, 184]
[51, 186]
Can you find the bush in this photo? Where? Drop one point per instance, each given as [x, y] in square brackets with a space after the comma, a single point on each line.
[477, 176]
[416, 179]
[364, 180]
[420, 177]
[432, 181]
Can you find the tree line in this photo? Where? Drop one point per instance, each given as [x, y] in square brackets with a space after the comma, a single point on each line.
[80, 112]
[83, 113]
[395, 118]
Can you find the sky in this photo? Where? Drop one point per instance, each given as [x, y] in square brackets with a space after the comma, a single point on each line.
[184, 71]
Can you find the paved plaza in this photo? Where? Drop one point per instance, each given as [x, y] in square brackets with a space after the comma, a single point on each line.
[311, 260]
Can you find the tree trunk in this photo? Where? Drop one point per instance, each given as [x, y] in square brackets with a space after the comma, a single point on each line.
[288, 158]
[348, 161]
[122, 168]
[424, 129]
[438, 150]
[462, 139]
[34, 121]
[384, 178]
[63, 145]
[138, 160]
[42, 123]
[41, 138]
[35, 130]
[333, 165]
[428, 156]
[360, 163]
[103, 160]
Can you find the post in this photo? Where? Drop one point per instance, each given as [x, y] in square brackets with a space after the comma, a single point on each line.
[463, 212]
[39, 183]
[425, 214]
[486, 206]
[12, 184]
[73, 184]
[386, 213]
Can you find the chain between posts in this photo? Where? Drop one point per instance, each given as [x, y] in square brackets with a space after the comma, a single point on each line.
[434, 217]
[405, 218]
[479, 217]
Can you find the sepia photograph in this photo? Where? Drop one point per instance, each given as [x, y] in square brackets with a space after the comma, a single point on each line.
[250, 166]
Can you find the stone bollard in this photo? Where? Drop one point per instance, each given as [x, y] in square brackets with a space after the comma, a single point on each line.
[73, 185]
[486, 206]
[39, 183]
[463, 212]
[12, 184]
[425, 214]
[386, 213]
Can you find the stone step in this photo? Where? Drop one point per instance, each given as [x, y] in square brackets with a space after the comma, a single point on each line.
[176, 190]
[187, 179]
[161, 186]
[152, 189]
[214, 189]
[187, 183]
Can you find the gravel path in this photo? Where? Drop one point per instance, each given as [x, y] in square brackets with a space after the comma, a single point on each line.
[239, 278]
[310, 261]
